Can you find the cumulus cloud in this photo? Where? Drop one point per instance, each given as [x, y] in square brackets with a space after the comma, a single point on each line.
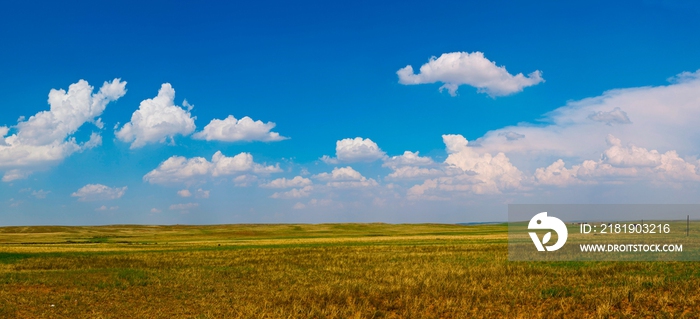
[630, 156]
[155, 210]
[351, 150]
[557, 174]
[459, 68]
[178, 169]
[243, 162]
[157, 120]
[94, 192]
[620, 163]
[407, 159]
[47, 137]
[410, 166]
[297, 181]
[232, 130]
[345, 177]
[493, 173]
[184, 193]
[467, 171]
[656, 117]
[340, 174]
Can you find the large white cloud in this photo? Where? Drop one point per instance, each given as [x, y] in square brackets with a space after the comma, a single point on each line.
[469, 172]
[357, 149]
[231, 130]
[493, 173]
[621, 163]
[178, 169]
[46, 137]
[93, 192]
[660, 118]
[157, 120]
[458, 68]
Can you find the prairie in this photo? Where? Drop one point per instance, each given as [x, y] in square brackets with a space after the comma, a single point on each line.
[319, 271]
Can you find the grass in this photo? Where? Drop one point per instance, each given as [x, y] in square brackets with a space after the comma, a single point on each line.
[319, 271]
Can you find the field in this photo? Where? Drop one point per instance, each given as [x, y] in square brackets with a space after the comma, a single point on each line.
[319, 271]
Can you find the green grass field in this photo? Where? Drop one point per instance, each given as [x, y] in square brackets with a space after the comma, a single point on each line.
[319, 271]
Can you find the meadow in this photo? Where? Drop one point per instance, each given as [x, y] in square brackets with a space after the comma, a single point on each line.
[319, 271]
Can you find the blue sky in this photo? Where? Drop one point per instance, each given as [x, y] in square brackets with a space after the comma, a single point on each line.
[608, 116]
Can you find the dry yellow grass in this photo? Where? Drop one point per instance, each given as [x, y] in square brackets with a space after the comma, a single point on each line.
[319, 271]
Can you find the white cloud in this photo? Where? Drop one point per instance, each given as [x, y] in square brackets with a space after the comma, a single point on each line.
[3, 132]
[178, 169]
[340, 174]
[351, 150]
[157, 120]
[557, 174]
[454, 143]
[297, 181]
[185, 206]
[14, 174]
[490, 174]
[408, 166]
[232, 130]
[621, 163]
[184, 193]
[243, 162]
[407, 159]
[46, 137]
[659, 118]
[458, 68]
[294, 193]
[419, 191]
[466, 171]
[345, 177]
[94, 192]
[155, 210]
[630, 156]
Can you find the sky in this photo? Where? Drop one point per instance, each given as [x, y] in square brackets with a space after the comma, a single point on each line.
[314, 111]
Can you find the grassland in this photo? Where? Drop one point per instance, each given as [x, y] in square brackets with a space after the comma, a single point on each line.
[319, 271]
